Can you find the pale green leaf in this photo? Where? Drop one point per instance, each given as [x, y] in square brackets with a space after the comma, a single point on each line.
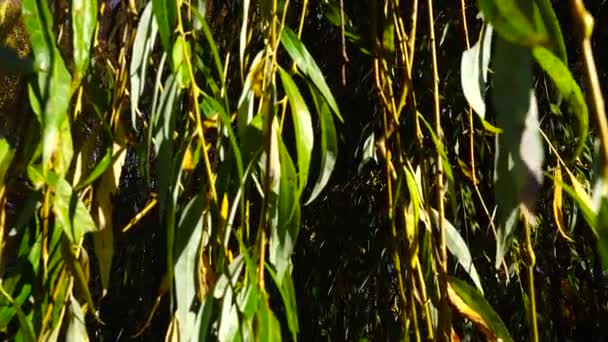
[474, 71]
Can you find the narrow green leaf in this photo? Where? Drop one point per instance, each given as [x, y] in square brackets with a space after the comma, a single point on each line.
[97, 171]
[302, 125]
[288, 295]
[165, 13]
[329, 145]
[69, 210]
[181, 51]
[308, 66]
[567, 86]
[513, 19]
[84, 20]
[143, 44]
[283, 237]
[50, 97]
[6, 157]
[474, 71]
[458, 247]
[26, 325]
[479, 305]
[553, 29]
[269, 328]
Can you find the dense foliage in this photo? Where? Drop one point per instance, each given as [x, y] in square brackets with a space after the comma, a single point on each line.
[276, 169]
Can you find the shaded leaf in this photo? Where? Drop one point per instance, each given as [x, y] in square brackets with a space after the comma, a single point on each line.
[187, 241]
[143, 44]
[519, 151]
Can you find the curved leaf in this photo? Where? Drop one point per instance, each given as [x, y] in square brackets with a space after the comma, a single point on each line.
[303, 127]
[458, 247]
[308, 66]
[329, 145]
[474, 71]
[472, 305]
[567, 86]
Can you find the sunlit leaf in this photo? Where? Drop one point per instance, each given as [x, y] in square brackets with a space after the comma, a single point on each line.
[308, 66]
[268, 326]
[181, 51]
[6, 156]
[302, 125]
[565, 83]
[474, 71]
[459, 249]
[76, 330]
[553, 29]
[84, 20]
[69, 210]
[50, 97]
[165, 13]
[471, 304]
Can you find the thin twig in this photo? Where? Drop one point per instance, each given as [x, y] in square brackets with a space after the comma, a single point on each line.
[444, 324]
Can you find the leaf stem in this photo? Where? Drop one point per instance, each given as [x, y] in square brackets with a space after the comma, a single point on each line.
[531, 289]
